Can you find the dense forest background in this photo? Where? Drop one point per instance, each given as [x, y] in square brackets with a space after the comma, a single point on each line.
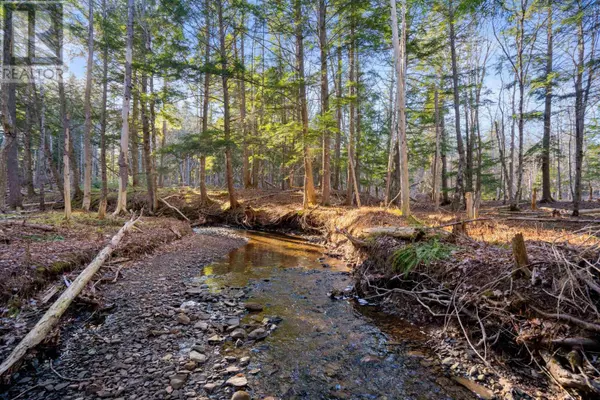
[353, 100]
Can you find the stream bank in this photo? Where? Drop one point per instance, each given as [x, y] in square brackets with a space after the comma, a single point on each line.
[188, 324]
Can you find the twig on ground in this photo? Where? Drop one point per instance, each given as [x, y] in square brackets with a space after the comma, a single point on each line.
[65, 377]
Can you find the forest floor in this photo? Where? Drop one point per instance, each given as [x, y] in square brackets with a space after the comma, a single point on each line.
[517, 335]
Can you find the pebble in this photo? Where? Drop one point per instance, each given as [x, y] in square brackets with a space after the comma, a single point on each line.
[258, 333]
[178, 381]
[183, 319]
[215, 339]
[241, 395]
[197, 357]
[237, 381]
[238, 333]
[201, 325]
[210, 387]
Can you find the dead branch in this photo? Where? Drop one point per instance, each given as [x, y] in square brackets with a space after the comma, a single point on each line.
[64, 377]
[52, 316]
[354, 240]
[176, 209]
[566, 378]
[590, 326]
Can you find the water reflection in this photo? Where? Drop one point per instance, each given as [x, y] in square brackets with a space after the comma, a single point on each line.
[323, 348]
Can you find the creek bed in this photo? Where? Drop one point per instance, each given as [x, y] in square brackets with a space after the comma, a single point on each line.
[324, 348]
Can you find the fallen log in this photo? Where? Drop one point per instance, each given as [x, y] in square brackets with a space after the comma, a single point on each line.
[45, 228]
[565, 211]
[575, 221]
[403, 232]
[466, 221]
[52, 316]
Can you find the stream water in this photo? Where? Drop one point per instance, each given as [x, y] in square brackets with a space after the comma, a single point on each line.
[324, 348]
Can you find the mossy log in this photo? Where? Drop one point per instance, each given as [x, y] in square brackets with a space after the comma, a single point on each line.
[407, 233]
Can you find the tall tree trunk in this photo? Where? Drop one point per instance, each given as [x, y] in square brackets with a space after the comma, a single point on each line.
[153, 141]
[147, 144]
[435, 196]
[469, 151]
[27, 148]
[444, 158]
[123, 173]
[399, 44]
[392, 145]
[87, 169]
[546, 185]
[10, 153]
[338, 118]
[205, 102]
[310, 196]
[134, 138]
[103, 119]
[326, 185]
[459, 140]
[226, 112]
[245, 149]
[67, 170]
[350, 184]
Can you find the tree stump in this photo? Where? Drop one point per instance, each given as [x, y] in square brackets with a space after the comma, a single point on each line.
[534, 199]
[520, 256]
[469, 201]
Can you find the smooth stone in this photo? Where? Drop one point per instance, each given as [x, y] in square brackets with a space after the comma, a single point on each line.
[241, 395]
[215, 339]
[239, 333]
[201, 325]
[210, 387]
[258, 333]
[178, 381]
[237, 381]
[183, 319]
[197, 357]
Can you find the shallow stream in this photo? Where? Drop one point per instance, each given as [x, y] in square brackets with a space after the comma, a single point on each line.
[325, 348]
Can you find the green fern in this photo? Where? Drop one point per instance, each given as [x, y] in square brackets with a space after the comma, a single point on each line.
[409, 257]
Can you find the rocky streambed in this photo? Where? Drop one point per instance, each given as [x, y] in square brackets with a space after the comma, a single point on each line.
[236, 315]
